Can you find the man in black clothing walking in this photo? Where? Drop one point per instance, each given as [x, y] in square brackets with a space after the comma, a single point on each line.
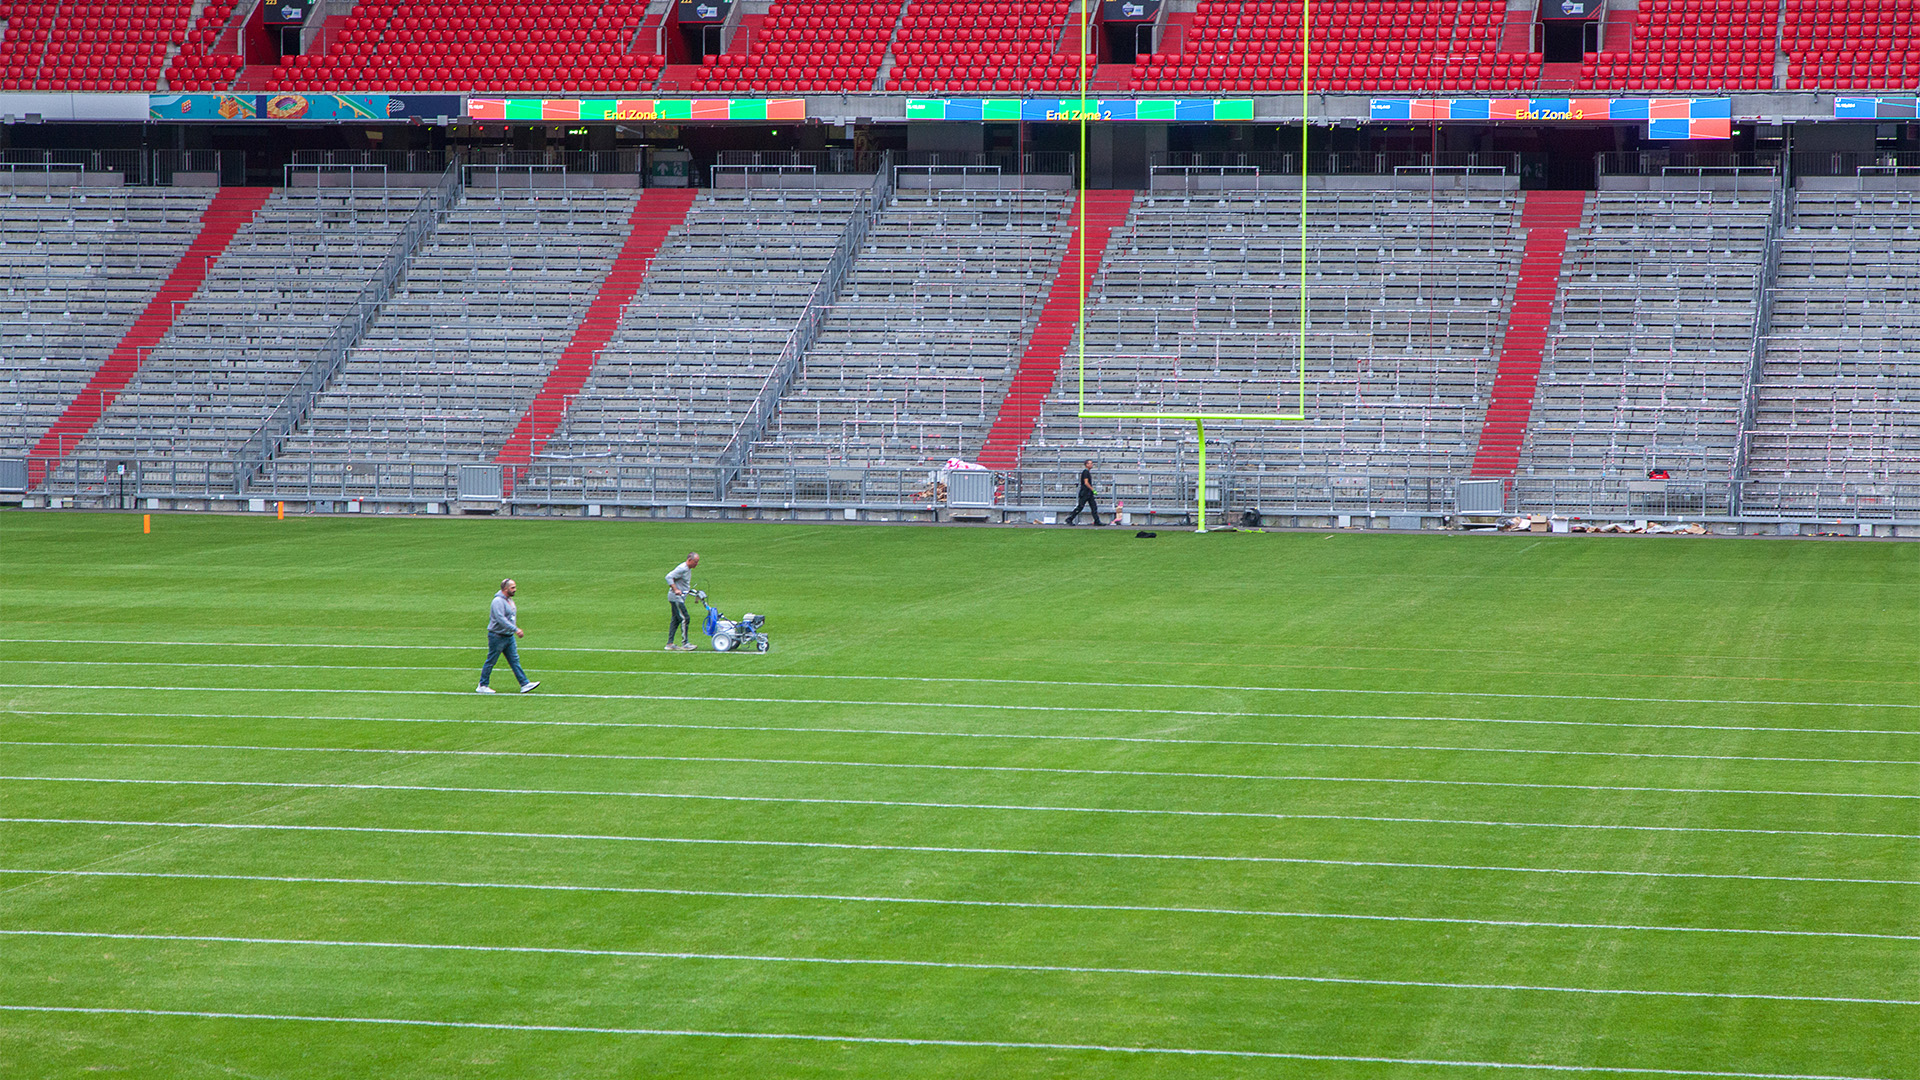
[1086, 497]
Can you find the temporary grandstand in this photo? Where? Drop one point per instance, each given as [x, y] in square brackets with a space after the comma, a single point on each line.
[562, 279]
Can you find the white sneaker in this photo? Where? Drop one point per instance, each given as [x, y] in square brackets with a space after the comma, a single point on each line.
[483, 688]
[528, 688]
[671, 647]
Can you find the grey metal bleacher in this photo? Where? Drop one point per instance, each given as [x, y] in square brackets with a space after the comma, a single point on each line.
[1649, 363]
[469, 336]
[77, 267]
[695, 347]
[1838, 397]
[1197, 309]
[919, 350]
[1648, 359]
[286, 281]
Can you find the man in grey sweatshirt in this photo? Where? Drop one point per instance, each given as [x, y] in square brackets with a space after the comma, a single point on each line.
[679, 584]
[503, 626]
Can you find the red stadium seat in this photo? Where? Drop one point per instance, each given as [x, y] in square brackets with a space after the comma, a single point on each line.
[812, 44]
[501, 46]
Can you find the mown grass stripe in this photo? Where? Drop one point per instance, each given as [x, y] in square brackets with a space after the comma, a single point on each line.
[1403, 748]
[850, 898]
[1593, 725]
[901, 1041]
[1150, 774]
[1088, 683]
[950, 965]
[933, 849]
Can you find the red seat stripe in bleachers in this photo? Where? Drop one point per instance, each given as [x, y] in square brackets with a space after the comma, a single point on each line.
[1547, 217]
[229, 212]
[1040, 364]
[658, 212]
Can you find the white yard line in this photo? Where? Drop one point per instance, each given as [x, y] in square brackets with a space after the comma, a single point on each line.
[923, 849]
[963, 680]
[1193, 813]
[1304, 778]
[1040, 969]
[1397, 747]
[839, 898]
[885, 1041]
[1013, 807]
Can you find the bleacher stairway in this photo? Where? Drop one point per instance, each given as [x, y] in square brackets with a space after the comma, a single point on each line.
[1094, 222]
[659, 211]
[230, 211]
[1547, 217]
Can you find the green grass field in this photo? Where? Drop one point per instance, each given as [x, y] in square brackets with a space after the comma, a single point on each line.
[999, 803]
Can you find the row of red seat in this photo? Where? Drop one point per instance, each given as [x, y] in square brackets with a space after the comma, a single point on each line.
[88, 44]
[557, 45]
[1835, 43]
[196, 68]
[832, 45]
[962, 45]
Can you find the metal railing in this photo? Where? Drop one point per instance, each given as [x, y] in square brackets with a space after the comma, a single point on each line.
[1189, 178]
[130, 164]
[1783, 500]
[1037, 163]
[835, 162]
[1160, 493]
[371, 177]
[168, 162]
[1343, 162]
[137, 168]
[470, 175]
[593, 162]
[756, 177]
[1849, 163]
[1689, 163]
[401, 161]
[1762, 332]
[265, 442]
[1619, 496]
[753, 423]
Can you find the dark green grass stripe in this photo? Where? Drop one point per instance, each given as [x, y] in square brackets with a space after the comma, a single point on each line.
[1587, 724]
[855, 898]
[1066, 809]
[954, 1043]
[459, 756]
[559, 755]
[1044, 969]
[1132, 687]
[936, 849]
[1058, 771]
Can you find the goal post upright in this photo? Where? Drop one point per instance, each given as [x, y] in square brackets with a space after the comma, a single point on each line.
[1199, 418]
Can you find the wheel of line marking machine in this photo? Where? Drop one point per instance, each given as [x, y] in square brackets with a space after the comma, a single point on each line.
[722, 642]
[764, 644]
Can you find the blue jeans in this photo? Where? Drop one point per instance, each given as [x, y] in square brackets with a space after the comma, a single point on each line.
[497, 644]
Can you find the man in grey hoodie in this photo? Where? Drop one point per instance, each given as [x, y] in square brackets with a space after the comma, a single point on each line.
[679, 584]
[503, 626]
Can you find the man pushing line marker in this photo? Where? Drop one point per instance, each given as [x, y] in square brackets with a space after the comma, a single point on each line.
[679, 584]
